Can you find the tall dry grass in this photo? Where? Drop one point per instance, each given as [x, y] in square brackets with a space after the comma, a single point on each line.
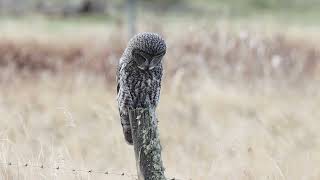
[234, 104]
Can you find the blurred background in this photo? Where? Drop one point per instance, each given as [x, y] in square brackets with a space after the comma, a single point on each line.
[240, 96]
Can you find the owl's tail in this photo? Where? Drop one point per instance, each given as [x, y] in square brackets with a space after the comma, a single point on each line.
[125, 122]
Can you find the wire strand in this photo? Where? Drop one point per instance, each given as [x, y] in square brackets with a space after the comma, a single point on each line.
[71, 170]
[75, 170]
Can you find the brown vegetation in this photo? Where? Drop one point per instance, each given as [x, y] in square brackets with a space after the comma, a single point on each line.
[228, 55]
[222, 114]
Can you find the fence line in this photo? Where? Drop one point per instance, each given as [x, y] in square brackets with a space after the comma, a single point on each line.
[74, 170]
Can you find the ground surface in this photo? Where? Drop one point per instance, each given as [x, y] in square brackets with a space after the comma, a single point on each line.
[240, 100]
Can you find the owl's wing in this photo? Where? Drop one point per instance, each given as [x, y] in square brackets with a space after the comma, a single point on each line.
[118, 76]
[123, 101]
[118, 86]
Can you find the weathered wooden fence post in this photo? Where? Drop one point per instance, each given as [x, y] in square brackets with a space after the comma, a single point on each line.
[146, 144]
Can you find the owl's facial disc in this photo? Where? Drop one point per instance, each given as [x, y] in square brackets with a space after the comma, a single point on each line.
[146, 61]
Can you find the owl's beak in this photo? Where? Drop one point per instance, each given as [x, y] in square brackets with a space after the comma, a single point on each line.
[145, 65]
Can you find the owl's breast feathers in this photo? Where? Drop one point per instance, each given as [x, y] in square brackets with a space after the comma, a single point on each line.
[143, 86]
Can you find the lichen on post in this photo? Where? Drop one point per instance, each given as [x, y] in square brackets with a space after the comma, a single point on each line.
[146, 142]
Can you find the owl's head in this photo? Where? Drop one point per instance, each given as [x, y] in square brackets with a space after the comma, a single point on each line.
[147, 50]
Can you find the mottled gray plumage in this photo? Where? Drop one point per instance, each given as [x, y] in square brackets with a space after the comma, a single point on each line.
[139, 76]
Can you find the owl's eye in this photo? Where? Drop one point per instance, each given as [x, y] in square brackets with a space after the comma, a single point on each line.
[155, 62]
[138, 58]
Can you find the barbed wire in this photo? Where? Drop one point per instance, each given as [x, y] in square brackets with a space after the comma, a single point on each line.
[71, 170]
[74, 170]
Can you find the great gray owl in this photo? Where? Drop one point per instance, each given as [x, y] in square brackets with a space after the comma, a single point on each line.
[139, 76]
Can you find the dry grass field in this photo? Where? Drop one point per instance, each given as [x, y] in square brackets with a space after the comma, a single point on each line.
[240, 101]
